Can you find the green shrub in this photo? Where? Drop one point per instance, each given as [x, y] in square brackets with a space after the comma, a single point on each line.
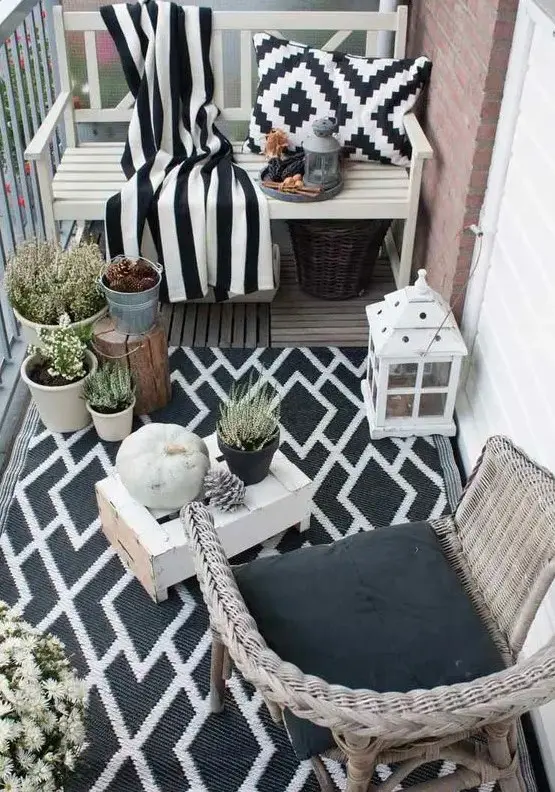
[250, 417]
[110, 389]
[43, 281]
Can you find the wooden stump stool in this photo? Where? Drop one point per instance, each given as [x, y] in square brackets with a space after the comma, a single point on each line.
[146, 356]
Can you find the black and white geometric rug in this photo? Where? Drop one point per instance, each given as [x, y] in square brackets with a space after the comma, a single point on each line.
[146, 665]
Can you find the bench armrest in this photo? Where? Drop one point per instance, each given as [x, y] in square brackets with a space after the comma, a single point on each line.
[38, 144]
[418, 140]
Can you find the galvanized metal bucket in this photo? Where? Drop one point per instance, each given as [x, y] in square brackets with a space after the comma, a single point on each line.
[133, 312]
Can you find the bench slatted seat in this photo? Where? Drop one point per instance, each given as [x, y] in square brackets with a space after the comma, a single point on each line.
[89, 173]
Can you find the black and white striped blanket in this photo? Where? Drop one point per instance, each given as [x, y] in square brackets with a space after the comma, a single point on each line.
[209, 223]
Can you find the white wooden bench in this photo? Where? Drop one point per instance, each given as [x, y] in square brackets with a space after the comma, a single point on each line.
[90, 173]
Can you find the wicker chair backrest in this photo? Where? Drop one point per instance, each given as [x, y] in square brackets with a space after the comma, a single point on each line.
[506, 524]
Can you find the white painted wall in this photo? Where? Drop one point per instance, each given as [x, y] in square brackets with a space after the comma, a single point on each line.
[509, 319]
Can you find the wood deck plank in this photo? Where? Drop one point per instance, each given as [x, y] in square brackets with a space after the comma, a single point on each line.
[201, 325]
[189, 325]
[292, 319]
[251, 325]
[177, 325]
[238, 338]
[226, 326]
[214, 324]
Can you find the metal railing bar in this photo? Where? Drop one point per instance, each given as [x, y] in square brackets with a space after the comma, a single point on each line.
[49, 99]
[51, 66]
[24, 109]
[48, 25]
[11, 191]
[30, 30]
[16, 134]
[28, 78]
[5, 212]
[12, 14]
[5, 307]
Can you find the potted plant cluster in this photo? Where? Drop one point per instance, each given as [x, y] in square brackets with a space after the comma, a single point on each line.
[248, 430]
[132, 287]
[110, 398]
[42, 706]
[55, 372]
[43, 282]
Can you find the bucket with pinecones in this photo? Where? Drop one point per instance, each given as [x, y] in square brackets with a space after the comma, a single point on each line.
[131, 287]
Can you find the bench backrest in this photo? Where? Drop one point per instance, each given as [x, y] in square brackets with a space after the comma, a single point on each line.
[338, 24]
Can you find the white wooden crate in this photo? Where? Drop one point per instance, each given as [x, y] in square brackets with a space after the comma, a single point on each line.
[155, 548]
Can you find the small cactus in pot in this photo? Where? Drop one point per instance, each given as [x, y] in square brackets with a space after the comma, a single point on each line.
[110, 397]
[248, 430]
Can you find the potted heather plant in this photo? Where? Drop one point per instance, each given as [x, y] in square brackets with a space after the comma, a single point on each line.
[43, 282]
[131, 287]
[42, 708]
[110, 397]
[248, 430]
[55, 372]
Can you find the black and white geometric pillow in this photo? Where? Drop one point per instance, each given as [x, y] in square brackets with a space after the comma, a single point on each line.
[368, 97]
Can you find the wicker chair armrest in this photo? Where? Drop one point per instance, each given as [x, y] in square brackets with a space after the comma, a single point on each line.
[418, 714]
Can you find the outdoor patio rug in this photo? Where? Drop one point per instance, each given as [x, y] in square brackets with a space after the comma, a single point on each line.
[147, 665]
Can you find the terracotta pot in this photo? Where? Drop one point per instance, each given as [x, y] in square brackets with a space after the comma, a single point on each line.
[250, 466]
[61, 408]
[112, 427]
[29, 329]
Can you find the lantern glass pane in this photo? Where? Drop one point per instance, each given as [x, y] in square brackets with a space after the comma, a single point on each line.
[436, 375]
[432, 404]
[399, 405]
[370, 373]
[315, 167]
[402, 375]
[374, 392]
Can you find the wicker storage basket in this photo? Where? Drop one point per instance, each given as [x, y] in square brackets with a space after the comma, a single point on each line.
[335, 259]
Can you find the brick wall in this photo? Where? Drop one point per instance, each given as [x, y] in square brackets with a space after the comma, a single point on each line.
[469, 43]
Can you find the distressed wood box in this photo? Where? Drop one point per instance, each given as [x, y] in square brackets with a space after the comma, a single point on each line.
[153, 545]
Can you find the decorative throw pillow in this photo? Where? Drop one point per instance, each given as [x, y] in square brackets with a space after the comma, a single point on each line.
[368, 97]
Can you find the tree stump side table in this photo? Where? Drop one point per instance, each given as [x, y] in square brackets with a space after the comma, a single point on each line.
[153, 545]
[145, 355]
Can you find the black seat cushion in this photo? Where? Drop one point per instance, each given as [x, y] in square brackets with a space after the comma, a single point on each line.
[381, 610]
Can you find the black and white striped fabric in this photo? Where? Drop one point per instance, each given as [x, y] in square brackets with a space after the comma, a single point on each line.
[209, 223]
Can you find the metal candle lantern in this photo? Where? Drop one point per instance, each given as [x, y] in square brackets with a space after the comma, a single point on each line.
[322, 149]
[415, 351]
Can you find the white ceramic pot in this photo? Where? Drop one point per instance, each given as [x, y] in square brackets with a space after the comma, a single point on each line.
[29, 329]
[113, 426]
[61, 408]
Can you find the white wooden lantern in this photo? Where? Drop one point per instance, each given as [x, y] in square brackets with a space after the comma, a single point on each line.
[415, 350]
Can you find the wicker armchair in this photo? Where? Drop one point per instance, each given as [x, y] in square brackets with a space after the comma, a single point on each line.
[501, 542]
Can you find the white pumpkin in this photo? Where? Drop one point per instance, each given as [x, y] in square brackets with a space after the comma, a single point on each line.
[163, 466]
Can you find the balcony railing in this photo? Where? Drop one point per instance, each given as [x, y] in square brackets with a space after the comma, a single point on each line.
[28, 85]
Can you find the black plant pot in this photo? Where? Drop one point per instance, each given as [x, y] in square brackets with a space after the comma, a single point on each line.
[250, 466]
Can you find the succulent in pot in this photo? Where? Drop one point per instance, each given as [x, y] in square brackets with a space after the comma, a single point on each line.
[110, 397]
[132, 287]
[56, 371]
[43, 282]
[248, 430]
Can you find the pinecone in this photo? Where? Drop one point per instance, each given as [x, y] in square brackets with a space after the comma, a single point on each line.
[117, 270]
[126, 283]
[224, 490]
[146, 282]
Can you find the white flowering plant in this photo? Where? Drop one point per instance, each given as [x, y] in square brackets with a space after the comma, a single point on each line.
[43, 281]
[63, 349]
[42, 708]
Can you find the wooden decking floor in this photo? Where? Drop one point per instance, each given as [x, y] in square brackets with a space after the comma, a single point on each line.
[294, 318]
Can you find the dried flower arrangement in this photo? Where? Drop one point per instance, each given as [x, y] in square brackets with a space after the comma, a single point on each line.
[284, 174]
[42, 706]
[43, 281]
[110, 389]
[130, 275]
[249, 419]
[61, 357]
